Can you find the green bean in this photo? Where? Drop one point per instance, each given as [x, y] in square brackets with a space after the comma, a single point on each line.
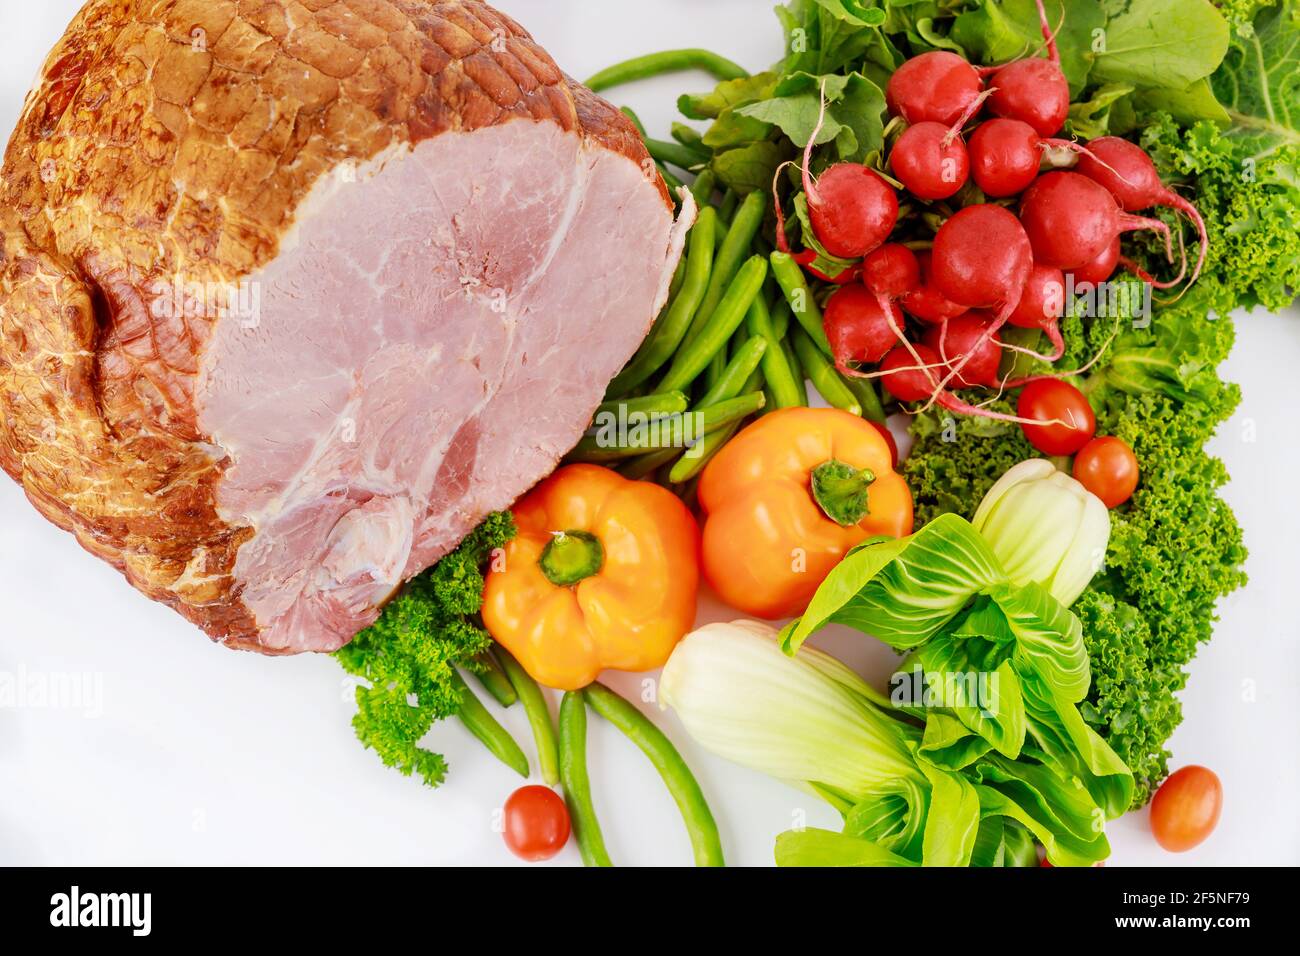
[726, 211]
[688, 466]
[577, 785]
[791, 279]
[703, 187]
[494, 679]
[666, 431]
[796, 369]
[670, 61]
[776, 370]
[732, 254]
[865, 392]
[539, 717]
[675, 154]
[736, 373]
[683, 786]
[664, 403]
[679, 276]
[822, 373]
[483, 725]
[688, 136]
[668, 333]
[780, 317]
[695, 355]
[643, 466]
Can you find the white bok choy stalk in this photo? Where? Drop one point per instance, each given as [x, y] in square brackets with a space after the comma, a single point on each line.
[1045, 528]
[806, 719]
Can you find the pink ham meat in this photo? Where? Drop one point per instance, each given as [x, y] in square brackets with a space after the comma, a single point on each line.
[293, 294]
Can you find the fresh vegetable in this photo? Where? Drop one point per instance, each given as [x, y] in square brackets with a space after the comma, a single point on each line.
[1130, 176]
[930, 161]
[860, 327]
[925, 301]
[1067, 420]
[1033, 90]
[484, 726]
[407, 659]
[807, 719]
[1108, 468]
[1041, 305]
[935, 87]
[539, 718]
[853, 210]
[1071, 219]
[602, 573]
[1045, 528]
[969, 344]
[787, 498]
[1005, 154]
[1185, 810]
[536, 823]
[670, 61]
[577, 784]
[681, 783]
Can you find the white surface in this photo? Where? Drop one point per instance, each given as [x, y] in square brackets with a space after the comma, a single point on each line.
[199, 755]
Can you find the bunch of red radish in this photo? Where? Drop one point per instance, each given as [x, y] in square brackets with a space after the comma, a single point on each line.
[987, 266]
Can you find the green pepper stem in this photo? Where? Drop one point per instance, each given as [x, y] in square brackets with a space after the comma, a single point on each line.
[570, 557]
[840, 490]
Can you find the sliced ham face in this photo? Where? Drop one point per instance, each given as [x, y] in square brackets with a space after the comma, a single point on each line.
[271, 385]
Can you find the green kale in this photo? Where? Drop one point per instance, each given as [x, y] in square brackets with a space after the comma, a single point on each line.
[407, 659]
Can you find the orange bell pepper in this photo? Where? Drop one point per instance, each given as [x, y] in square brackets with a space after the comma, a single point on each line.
[603, 573]
[787, 498]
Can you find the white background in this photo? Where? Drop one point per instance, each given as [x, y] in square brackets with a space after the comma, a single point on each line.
[206, 756]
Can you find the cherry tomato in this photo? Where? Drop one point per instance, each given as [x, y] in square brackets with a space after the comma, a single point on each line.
[1108, 468]
[536, 823]
[1049, 399]
[1185, 810]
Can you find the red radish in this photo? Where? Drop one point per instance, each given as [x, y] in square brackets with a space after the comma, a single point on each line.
[1071, 220]
[982, 259]
[909, 381]
[930, 161]
[1005, 155]
[852, 209]
[1128, 174]
[1033, 91]
[905, 381]
[1041, 306]
[860, 327]
[934, 87]
[891, 271]
[962, 342]
[925, 302]
[1099, 269]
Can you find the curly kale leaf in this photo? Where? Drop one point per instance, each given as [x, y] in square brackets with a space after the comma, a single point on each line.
[407, 659]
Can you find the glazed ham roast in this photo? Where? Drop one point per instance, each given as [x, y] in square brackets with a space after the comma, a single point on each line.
[294, 292]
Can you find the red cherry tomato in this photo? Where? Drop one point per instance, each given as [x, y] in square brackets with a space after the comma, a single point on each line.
[536, 823]
[1108, 468]
[1185, 810]
[1051, 400]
